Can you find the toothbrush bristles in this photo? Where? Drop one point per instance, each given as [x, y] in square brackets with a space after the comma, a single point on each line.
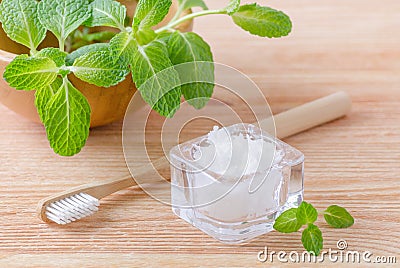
[72, 208]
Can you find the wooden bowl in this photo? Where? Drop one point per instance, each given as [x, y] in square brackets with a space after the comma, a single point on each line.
[107, 104]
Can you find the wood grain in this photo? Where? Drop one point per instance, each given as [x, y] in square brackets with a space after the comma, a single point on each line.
[354, 162]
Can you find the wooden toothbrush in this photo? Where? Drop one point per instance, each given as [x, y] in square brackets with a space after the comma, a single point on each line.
[82, 201]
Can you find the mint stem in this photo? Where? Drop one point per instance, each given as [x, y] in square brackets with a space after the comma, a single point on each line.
[177, 14]
[189, 17]
[61, 44]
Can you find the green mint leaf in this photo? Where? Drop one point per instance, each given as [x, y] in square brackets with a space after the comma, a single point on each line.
[287, 222]
[338, 217]
[123, 46]
[68, 120]
[100, 68]
[145, 36]
[55, 54]
[20, 21]
[233, 7]
[156, 79]
[312, 239]
[189, 47]
[43, 96]
[28, 73]
[84, 50]
[107, 13]
[186, 4]
[164, 37]
[61, 17]
[306, 213]
[262, 21]
[150, 12]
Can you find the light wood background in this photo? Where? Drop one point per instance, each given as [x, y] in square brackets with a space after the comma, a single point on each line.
[335, 45]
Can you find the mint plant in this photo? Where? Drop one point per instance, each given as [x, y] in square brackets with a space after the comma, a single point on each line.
[293, 219]
[135, 48]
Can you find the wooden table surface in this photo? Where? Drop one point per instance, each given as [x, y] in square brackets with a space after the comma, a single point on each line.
[335, 45]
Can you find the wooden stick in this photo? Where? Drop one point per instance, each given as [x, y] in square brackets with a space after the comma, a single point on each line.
[309, 115]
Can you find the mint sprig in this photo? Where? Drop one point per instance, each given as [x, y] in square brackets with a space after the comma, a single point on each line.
[123, 46]
[151, 56]
[306, 213]
[262, 21]
[54, 54]
[312, 239]
[28, 73]
[107, 13]
[191, 48]
[62, 17]
[100, 68]
[71, 57]
[157, 80]
[150, 12]
[68, 111]
[293, 219]
[43, 96]
[19, 21]
[287, 222]
[338, 217]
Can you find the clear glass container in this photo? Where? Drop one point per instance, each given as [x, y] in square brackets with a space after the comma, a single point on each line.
[233, 207]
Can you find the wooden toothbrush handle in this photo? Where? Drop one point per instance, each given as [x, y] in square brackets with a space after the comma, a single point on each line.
[309, 115]
[287, 123]
[95, 189]
[99, 189]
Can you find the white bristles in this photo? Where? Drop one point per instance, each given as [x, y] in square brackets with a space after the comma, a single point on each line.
[72, 208]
